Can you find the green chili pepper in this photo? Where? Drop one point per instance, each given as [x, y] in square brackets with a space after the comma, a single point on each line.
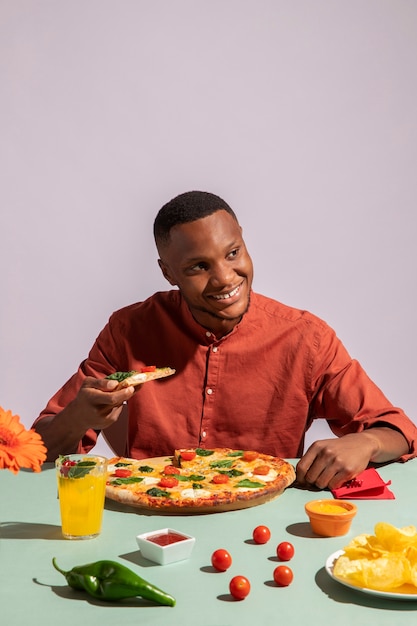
[111, 581]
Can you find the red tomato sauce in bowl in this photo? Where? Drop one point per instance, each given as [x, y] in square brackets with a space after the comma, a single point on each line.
[166, 539]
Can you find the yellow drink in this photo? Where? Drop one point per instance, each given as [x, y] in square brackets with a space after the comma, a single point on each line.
[81, 491]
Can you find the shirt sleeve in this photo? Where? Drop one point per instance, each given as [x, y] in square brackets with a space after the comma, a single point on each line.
[101, 361]
[348, 399]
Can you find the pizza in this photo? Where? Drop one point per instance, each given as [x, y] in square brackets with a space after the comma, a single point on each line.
[134, 378]
[198, 480]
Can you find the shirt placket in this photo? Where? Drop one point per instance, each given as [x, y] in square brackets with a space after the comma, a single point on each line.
[212, 374]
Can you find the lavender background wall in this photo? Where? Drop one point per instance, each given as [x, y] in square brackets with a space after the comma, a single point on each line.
[301, 114]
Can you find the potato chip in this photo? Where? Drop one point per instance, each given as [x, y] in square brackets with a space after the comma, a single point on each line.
[382, 574]
[350, 570]
[395, 539]
[384, 561]
[386, 573]
[411, 555]
[364, 546]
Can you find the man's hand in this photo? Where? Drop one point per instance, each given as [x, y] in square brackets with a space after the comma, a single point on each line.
[331, 462]
[98, 404]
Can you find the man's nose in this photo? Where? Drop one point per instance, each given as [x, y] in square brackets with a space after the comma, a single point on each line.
[222, 274]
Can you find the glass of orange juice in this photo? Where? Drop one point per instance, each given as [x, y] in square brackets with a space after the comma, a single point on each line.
[81, 490]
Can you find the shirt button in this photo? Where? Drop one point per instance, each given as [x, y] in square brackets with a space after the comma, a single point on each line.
[203, 434]
[215, 349]
[208, 333]
[209, 391]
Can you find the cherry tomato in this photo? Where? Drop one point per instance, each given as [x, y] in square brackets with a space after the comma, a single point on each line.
[168, 481]
[148, 368]
[170, 469]
[239, 587]
[285, 551]
[261, 534]
[283, 575]
[221, 560]
[250, 455]
[188, 455]
[261, 470]
[220, 479]
[122, 473]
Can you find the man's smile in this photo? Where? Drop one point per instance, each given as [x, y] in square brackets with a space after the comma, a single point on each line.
[228, 295]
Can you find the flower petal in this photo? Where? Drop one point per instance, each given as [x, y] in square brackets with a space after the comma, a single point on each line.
[19, 447]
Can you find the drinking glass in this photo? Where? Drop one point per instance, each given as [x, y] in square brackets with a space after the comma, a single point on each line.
[81, 491]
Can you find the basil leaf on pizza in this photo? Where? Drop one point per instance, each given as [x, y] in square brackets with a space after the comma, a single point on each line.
[157, 493]
[222, 463]
[231, 473]
[250, 484]
[145, 469]
[119, 376]
[128, 481]
[203, 452]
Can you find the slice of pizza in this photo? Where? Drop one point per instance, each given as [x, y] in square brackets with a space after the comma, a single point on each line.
[134, 378]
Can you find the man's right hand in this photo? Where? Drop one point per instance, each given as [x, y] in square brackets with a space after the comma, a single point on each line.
[98, 405]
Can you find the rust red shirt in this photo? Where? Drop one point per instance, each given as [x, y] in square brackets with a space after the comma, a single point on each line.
[259, 387]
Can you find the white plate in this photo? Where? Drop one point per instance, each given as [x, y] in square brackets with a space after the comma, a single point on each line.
[373, 592]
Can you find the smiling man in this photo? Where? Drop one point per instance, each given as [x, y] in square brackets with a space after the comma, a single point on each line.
[206, 258]
[251, 372]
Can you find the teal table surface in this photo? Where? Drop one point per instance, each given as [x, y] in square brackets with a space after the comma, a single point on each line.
[31, 591]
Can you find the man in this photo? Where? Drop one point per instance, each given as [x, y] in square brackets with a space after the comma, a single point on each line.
[251, 373]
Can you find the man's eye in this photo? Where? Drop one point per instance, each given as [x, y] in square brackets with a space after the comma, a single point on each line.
[233, 253]
[198, 267]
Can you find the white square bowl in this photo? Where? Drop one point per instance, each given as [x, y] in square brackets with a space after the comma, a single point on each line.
[169, 553]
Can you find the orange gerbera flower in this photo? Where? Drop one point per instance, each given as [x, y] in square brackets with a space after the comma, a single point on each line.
[19, 447]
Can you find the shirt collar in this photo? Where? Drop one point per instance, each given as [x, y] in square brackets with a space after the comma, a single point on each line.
[201, 334]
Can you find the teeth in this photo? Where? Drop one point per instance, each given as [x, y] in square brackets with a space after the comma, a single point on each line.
[225, 296]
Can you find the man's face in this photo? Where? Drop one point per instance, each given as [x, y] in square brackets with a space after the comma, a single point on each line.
[208, 261]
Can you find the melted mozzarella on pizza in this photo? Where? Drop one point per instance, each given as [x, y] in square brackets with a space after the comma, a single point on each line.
[195, 493]
[149, 480]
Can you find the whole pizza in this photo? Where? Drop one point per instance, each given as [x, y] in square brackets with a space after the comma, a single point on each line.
[199, 480]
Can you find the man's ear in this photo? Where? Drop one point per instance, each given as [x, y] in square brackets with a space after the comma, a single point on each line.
[166, 273]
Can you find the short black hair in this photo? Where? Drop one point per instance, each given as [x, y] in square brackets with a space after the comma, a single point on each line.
[187, 207]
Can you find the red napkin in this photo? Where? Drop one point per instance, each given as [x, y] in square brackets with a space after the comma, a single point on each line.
[368, 485]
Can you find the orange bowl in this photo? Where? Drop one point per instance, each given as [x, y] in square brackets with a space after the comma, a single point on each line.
[330, 518]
